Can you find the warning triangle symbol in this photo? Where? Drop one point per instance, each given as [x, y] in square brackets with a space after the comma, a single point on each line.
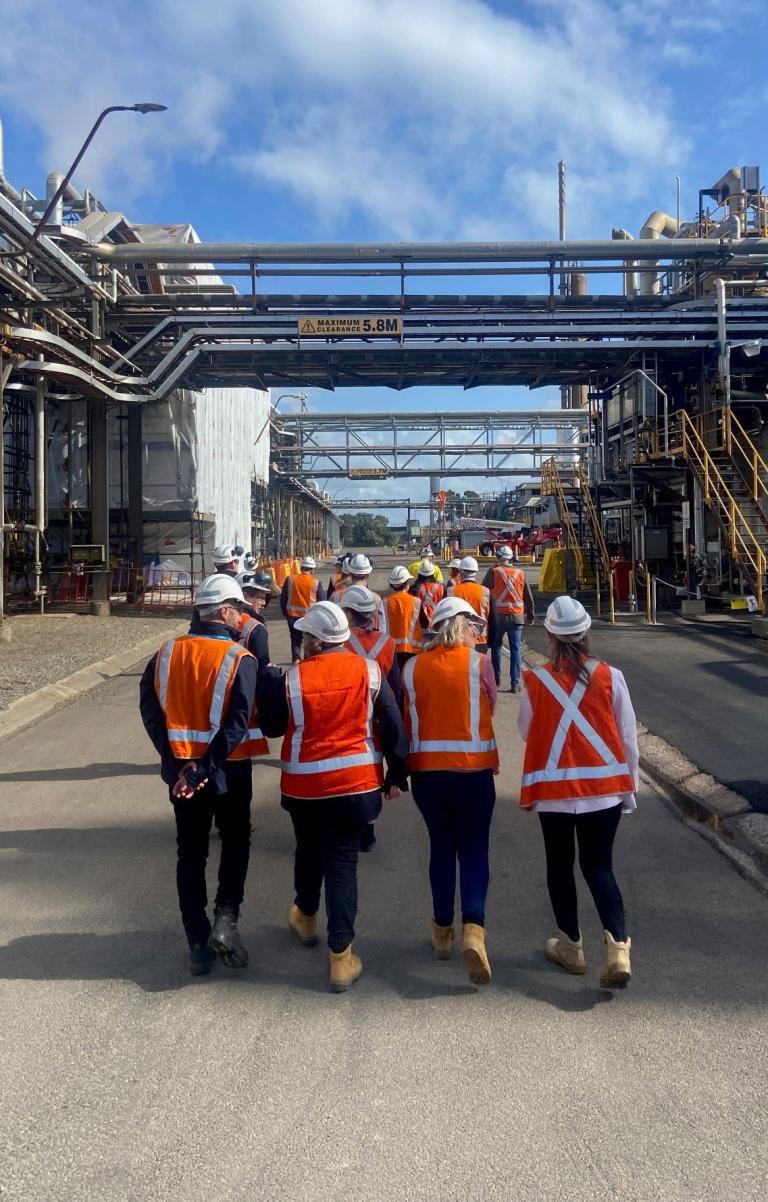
[307, 326]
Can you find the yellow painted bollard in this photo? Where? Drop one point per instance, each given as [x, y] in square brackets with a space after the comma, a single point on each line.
[598, 599]
[611, 598]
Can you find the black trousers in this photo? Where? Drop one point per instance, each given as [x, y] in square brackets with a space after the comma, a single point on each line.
[194, 817]
[595, 833]
[327, 844]
[295, 636]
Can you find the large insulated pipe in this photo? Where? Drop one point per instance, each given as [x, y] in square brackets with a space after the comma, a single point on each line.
[577, 286]
[39, 481]
[52, 184]
[657, 225]
[622, 235]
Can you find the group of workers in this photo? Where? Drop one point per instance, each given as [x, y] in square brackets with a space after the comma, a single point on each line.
[383, 695]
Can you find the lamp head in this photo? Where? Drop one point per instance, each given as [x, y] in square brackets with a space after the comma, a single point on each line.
[148, 108]
[752, 348]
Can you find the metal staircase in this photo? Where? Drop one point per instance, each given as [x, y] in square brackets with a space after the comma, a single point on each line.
[552, 485]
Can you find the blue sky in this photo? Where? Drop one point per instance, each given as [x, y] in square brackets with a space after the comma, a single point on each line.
[363, 120]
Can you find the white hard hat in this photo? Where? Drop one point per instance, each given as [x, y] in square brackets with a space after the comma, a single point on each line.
[567, 620]
[399, 576]
[359, 565]
[450, 607]
[426, 568]
[427, 553]
[455, 563]
[469, 565]
[217, 590]
[359, 598]
[326, 621]
[308, 562]
[224, 554]
[504, 552]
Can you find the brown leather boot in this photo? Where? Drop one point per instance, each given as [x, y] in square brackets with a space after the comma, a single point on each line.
[442, 941]
[474, 953]
[345, 969]
[303, 925]
[616, 967]
[567, 953]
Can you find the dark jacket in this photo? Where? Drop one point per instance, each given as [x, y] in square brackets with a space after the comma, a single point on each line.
[258, 640]
[221, 776]
[273, 720]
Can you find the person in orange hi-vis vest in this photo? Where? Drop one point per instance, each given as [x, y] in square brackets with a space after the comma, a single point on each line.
[257, 590]
[450, 697]
[479, 597]
[580, 774]
[513, 603]
[454, 577]
[403, 612]
[340, 722]
[430, 592]
[296, 596]
[197, 702]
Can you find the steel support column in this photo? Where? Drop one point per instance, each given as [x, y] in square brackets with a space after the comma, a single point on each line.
[98, 462]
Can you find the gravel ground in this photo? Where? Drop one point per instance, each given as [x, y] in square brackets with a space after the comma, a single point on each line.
[45, 649]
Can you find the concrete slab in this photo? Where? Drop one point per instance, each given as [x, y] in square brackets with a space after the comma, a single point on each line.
[716, 797]
[659, 756]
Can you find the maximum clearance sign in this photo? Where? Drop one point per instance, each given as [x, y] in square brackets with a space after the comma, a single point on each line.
[355, 327]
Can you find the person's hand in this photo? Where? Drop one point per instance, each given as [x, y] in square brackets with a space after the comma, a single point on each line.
[189, 781]
[496, 770]
[530, 620]
[391, 794]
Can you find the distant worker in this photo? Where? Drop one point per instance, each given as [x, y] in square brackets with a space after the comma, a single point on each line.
[580, 774]
[249, 562]
[359, 568]
[226, 560]
[257, 590]
[339, 719]
[427, 553]
[197, 705]
[403, 610]
[450, 697]
[479, 597]
[513, 601]
[296, 596]
[453, 577]
[429, 592]
[339, 575]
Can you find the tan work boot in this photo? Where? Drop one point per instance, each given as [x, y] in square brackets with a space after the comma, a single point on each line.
[442, 941]
[345, 969]
[569, 955]
[303, 925]
[616, 967]
[474, 953]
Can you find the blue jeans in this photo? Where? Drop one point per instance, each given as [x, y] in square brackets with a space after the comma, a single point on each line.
[457, 808]
[514, 633]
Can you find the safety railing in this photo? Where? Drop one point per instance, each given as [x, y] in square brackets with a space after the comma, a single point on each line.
[744, 544]
[552, 485]
[594, 521]
[745, 456]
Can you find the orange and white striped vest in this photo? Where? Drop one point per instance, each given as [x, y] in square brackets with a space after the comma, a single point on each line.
[373, 644]
[301, 593]
[508, 589]
[429, 593]
[574, 748]
[403, 621]
[476, 595]
[247, 627]
[331, 747]
[193, 680]
[447, 713]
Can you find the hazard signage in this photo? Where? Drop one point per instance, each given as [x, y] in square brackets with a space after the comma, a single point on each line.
[368, 473]
[371, 325]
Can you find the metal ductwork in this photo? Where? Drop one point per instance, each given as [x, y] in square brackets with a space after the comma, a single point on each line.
[630, 283]
[657, 225]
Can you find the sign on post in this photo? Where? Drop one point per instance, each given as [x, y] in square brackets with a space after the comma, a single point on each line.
[371, 325]
[368, 473]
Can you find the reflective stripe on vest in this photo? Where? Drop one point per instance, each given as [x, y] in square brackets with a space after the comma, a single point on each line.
[374, 651]
[247, 629]
[331, 775]
[429, 592]
[555, 783]
[508, 590]
[405, 630]
[476, 595]
[302, 592]
[190, 743]
[471, 753]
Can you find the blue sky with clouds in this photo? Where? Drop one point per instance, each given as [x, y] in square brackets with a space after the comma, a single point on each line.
[363, 120]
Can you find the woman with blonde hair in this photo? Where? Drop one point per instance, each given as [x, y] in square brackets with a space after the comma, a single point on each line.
[580, 775]
[450, 697]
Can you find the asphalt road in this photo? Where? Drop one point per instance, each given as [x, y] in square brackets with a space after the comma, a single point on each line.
[123, 1079]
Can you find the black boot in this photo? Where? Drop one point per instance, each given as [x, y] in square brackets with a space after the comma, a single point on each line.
[368, 837]
[201, 959]
[225, 938]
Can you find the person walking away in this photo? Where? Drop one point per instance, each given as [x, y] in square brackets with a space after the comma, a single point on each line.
[257, 590]
[359, 570]
[428, 554]
[450, 698]
[513, 602]
[296, 596]
[197, 705]
[580, 774]
[339, 575]
[428, 591]
[479, 597]
[339, 719]
[403, 610]
[453, 577]
[226, 561]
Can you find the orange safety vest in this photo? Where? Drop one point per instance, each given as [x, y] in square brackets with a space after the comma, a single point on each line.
[429, 593]
[247, 627]
[447, 713]
[301, 593]
[574, 748]
[338, 593]
[331, 747]
[508, 588]
[476, 595]
[375, 645]
[193, 680]
[403, 620]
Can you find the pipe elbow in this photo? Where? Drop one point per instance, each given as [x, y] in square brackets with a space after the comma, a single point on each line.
[659, 225]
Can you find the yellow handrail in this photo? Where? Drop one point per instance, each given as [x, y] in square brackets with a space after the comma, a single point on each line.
[552, 485]
[734, 434]
[594, 521]
[747, 549]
